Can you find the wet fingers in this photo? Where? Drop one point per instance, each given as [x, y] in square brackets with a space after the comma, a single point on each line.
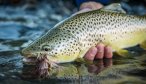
[90, 55]
[108, 52]
[100, 51]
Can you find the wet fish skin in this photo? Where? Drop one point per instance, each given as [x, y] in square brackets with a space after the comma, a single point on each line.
[70, 39]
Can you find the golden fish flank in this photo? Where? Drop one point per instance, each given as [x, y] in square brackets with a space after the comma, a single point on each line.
[71, 38]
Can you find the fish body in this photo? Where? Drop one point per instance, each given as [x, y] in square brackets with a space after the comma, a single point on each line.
[72, 38]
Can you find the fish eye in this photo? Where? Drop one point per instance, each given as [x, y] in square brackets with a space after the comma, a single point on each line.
[46, 48]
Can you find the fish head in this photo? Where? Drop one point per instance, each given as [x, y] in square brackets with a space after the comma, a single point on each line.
[32, 50]
[54, 50]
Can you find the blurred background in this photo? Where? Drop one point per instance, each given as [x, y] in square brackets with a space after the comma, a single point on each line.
[22, 21]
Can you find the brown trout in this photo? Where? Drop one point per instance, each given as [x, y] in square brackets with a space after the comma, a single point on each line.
[72, 38]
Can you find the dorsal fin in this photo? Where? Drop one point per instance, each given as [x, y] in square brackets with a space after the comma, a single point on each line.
[115, 7]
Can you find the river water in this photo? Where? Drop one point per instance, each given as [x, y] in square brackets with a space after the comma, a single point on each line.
[23, 23]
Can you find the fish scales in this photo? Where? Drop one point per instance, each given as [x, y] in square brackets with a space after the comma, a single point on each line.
[71, 38]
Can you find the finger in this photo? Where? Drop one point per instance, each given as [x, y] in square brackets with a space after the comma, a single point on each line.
[108, 52]
[100, 51]
[90, 55]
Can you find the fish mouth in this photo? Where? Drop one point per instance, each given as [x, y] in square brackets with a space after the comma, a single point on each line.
[28, 54]
[29, 60]
[32, 58]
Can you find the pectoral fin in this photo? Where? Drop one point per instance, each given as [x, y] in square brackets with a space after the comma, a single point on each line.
[143, 45]
[124, 53]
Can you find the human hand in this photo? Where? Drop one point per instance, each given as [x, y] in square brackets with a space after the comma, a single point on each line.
[100, 51]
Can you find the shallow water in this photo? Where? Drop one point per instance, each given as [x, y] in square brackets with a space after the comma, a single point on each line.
[20, 25]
